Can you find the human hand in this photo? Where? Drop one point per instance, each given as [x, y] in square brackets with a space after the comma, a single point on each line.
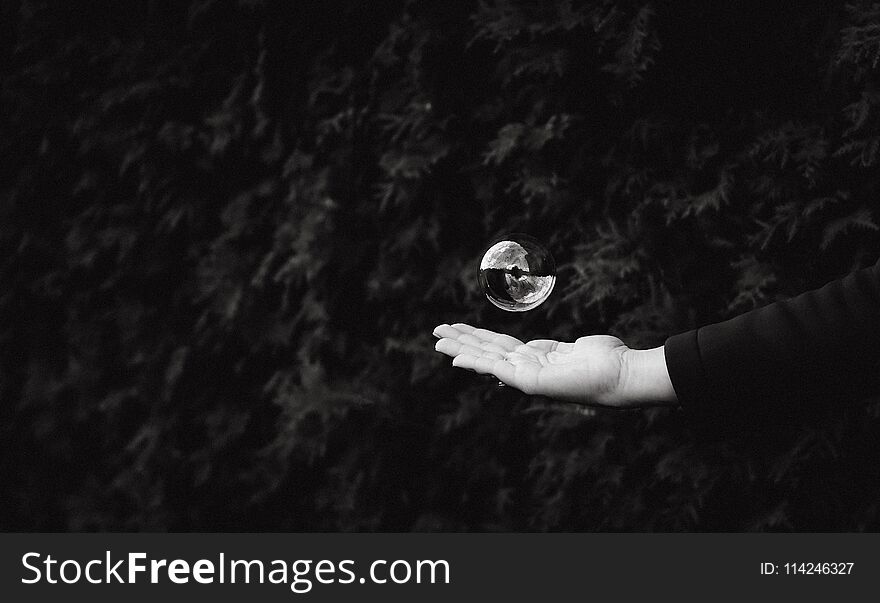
[598, 370]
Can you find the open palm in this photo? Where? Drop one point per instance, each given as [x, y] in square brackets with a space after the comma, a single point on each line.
[587, 371]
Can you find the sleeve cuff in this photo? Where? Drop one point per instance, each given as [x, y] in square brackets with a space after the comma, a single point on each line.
[685, 367]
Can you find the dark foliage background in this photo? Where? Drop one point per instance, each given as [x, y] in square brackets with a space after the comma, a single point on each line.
[227, 230]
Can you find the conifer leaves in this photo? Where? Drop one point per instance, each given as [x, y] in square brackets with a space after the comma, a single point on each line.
[527, 138]
[237, 259]
[625, 36]
[860, 41]
[860, 219]
[858, 55]
[637, 46]
[503, 21]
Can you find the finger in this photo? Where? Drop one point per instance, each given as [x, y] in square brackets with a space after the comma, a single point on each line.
[491, 347]
[445, 346]
[453, 333]
[482, 334]
[460, 326]
[459, 330]
[505, 341]
[481, 352]
[501, 369]
[450, 347]
[480, 365]
[470, 340]
[445, 330]
[551, 345]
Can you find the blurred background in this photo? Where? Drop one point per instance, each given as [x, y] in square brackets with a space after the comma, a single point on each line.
[227, 230]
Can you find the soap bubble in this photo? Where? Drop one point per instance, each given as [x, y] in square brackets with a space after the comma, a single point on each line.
[517, 273]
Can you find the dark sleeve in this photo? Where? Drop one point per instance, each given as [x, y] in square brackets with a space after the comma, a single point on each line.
[822, 341]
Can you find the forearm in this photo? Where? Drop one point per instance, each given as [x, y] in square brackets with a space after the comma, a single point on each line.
[644, 379]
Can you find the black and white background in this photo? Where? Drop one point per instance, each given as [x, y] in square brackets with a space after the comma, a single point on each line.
[227, 230]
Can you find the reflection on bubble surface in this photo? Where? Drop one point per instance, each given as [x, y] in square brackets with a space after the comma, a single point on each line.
[517, 273]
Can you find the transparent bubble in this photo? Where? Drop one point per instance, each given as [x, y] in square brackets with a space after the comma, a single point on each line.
[517, 273]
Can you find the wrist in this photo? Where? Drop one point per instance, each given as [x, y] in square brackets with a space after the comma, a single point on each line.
[645, 380]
